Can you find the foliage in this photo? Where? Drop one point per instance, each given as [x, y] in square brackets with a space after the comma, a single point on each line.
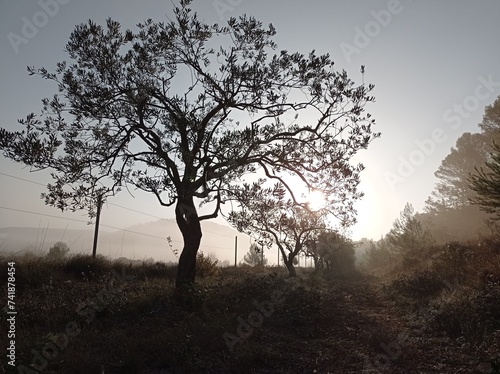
[332, 251]
[58, 250]
[255, 256]
[206, 265]
[164, 110]
[490, 124]
[408, 236]
[486, 183]
[422, 285]
[453, 261]
[266, 213]
[453, 190]
[378, 255]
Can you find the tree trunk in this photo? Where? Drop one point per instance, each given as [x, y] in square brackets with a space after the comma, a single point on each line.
[189, 224]
[289, 265]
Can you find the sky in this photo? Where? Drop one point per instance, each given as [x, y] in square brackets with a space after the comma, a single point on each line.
[435, 66]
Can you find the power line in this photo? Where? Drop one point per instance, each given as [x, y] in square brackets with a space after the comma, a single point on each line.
[22, 179]
[114, 204]
[104, 225]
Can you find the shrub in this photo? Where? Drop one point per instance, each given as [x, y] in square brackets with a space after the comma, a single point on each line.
[58, 251]
[421, 285]
[206, 266]
[453, 261]
[87, 267]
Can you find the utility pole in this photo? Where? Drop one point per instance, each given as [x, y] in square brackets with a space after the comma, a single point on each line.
[235, 251]
[262, 254]
[96, 229]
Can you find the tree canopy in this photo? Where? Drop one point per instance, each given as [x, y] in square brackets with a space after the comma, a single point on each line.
[185, 110]
[486, 183]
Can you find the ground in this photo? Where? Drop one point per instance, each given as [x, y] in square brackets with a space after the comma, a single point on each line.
[234, 321]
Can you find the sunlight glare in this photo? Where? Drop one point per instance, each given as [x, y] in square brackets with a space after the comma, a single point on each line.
[316, 200]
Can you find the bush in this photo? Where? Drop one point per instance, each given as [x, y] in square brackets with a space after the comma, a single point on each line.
[453, 262]
[422, 285]
[473, 315]
[58, 251]
[206, 266]
[87, 267]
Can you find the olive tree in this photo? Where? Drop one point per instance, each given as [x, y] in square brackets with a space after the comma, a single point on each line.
[275, 219]
[184, 110]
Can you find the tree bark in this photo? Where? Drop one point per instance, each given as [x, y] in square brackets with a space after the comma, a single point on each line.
[289, 265]
[189, 224]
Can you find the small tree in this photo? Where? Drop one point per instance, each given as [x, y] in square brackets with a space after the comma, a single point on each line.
[58, 251]
[267, 214]
[486, 183]
[408, 235]
[255, 256]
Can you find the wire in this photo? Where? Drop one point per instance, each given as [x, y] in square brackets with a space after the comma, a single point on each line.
[117, 205]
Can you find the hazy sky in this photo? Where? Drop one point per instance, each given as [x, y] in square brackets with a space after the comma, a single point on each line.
[435, 65]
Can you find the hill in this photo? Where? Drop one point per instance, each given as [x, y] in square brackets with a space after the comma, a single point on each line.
[141, 241]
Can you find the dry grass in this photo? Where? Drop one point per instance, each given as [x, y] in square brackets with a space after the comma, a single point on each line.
[130, 320]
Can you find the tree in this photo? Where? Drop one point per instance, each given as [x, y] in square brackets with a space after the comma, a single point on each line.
[486, 183]
[274, 219]
[162, 110]
[471, 151]
[407, 235]
[453, 190]
[332, 251]
[58, 251]
[255, 256]
[491, 120]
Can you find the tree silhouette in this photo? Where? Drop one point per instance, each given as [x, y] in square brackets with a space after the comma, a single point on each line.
[254, 256]
[453, 190]
[164, 110]
[407, 235]
[274, 219]
[332, 251]
[58, 250]
[486, 183]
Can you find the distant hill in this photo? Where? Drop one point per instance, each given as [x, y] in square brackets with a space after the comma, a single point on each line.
[140, 241]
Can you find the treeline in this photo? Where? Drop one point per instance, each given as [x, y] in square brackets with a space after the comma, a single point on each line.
[464, 206]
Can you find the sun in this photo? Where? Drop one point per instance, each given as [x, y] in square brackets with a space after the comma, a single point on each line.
[316, 200]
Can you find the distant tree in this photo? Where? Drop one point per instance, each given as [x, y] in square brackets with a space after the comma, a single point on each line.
[267, 214]
[470, 152]
[408, 235]
[453, 190]
[58, 251]
[491, 120]
[254, 256]
[332, 251]
[377, 255]
[166, 111]
[486, 183]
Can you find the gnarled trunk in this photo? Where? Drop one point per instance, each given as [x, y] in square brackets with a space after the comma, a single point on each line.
[289, 265]
[189, 224]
